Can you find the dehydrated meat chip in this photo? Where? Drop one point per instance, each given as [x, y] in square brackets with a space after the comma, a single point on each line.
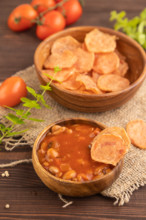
[89, 84]
[118, 131]
[106, 63]
[112, 83]
[84, 61]
[71, 83]
[136, 130]
[61, 76]
[123, 65]
[108, 148]
[65, 43]
[100, 42]
[65, 60]
[95, 76]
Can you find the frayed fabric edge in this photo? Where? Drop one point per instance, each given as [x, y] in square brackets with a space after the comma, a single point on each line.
[125, 196]
[10, 143]
[66, 203]
[15, 163]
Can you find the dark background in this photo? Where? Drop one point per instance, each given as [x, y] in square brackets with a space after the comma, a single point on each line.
[27, 196]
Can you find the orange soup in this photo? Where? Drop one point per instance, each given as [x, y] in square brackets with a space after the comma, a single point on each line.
[65, 153]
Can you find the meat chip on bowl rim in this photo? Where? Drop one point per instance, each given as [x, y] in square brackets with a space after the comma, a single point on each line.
[101, 69]
[65, 156]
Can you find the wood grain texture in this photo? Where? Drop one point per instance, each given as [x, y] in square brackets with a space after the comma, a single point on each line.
[23, 190]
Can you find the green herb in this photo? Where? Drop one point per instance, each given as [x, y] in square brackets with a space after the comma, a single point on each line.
[20, 116]
[135, 27]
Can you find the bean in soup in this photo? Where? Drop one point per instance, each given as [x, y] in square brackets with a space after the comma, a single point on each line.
[65, 153]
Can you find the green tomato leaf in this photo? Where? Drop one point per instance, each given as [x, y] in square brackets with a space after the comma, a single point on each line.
[52, 78]
[25, 100]
[134, 22]
[47, 87]
[135, 28]
[11, 134]
[31, 91]
[141, 38]
[13, 109]
[2, 127]
[141, 27]
[44, 102]
[113, 15]
[49, 76]
[25, 115]
[47, 106]
[32, 104]
[18, 111]
[14, 119]
[36, 119]
[57, 69]
[39, 97]
[122, 14]
[143, 14]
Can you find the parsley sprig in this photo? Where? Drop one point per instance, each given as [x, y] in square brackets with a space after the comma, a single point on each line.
[135, 27]
[20, 116]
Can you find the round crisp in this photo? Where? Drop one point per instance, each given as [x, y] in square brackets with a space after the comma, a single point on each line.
[108, 148]
[60, 76]
[119, 131]
[84, 61]
[112, 83]
[65, 43]
[65, 60]
[106, 63]
[88, 83]
[100, 42]
[136, 130]
[123, 65]
[95, 76]
[122, 69]
[71, 83]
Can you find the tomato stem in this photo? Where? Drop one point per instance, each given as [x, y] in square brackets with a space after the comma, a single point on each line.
[82, 3]
[40, 22]
[63, 12]
[59, 4]
[17, 20]
[6, 133]
[35, 7]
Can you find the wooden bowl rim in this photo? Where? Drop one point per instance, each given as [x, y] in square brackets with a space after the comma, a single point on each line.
[41, 136]
[104, 29]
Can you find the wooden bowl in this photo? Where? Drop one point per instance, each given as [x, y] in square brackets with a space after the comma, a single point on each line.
[136, 59]
[72, 188]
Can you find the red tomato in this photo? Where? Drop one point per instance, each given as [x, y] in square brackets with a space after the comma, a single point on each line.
[21, 17]
[11, 90]
[73, 11]
[42, 5]
[52, 22]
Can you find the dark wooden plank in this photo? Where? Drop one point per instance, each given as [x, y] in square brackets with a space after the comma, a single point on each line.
[23, 190]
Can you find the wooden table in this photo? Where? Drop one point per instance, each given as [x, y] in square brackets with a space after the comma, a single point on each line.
[23, 190]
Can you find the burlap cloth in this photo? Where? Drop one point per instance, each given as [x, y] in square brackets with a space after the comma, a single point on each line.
[134, 171]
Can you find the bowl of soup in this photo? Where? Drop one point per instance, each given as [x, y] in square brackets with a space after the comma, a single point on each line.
[62, 158]
[100, 68]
